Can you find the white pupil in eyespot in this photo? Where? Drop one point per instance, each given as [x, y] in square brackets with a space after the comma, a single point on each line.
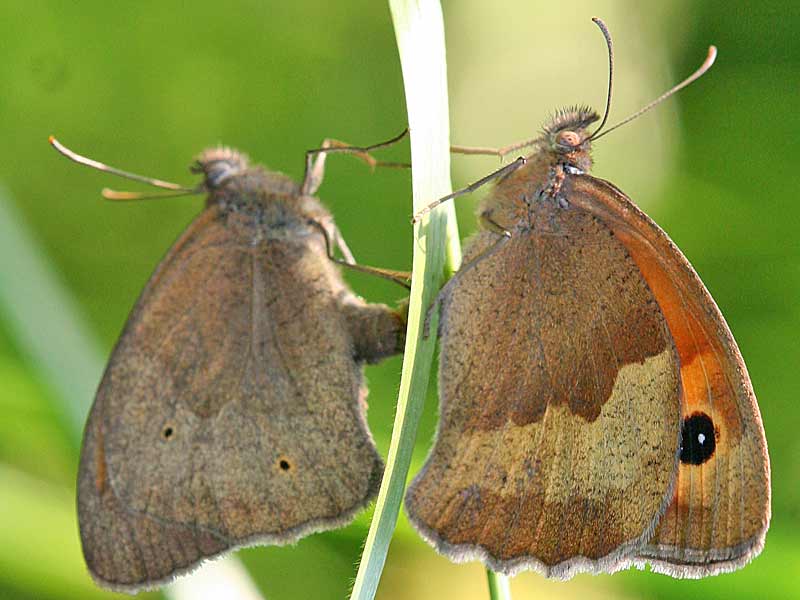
[701, 438]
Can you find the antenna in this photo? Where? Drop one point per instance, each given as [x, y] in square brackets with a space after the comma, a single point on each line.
[712, 55]
[110, 194]
[123, 196]
[606, 34]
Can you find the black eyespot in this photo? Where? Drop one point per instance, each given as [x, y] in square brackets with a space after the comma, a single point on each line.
[698, 439]
[167, 433]
[284, 464]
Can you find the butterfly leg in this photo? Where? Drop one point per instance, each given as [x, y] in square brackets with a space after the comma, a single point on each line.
[487, 151]
[331, 233]
[315, 159]
[343, 247]
[377, 331]
[333, 237]
[499, 174]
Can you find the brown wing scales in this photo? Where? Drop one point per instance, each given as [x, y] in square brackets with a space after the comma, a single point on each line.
[215, 426]
[547, 430]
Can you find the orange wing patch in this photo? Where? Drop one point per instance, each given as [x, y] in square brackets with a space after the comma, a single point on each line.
[719, 514]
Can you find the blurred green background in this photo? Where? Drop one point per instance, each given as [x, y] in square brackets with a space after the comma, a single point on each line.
[147, 85]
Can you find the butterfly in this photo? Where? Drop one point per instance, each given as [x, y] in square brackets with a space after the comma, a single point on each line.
[595, 410]
[232, 409]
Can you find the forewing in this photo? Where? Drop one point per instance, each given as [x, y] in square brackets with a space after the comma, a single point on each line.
[558, 386]
[718, 517]
[231, 411]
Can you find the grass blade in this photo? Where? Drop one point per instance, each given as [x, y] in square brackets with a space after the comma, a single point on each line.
[499, 588]
[419, 30]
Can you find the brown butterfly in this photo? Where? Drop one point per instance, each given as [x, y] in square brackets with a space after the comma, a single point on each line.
[232, 410]
[595, 409]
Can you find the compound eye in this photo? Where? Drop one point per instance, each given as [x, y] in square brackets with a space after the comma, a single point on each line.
[219, 171]
[570, 139]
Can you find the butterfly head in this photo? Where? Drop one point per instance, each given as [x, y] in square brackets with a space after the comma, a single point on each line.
[233, 182]
[566, 138]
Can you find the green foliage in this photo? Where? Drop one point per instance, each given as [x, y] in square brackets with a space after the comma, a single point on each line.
[147, 85]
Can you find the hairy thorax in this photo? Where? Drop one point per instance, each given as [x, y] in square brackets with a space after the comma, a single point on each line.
[539, 180]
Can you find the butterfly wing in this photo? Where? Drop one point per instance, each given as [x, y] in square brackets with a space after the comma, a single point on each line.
[719, 514]
[558, 384]
[231, 411]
